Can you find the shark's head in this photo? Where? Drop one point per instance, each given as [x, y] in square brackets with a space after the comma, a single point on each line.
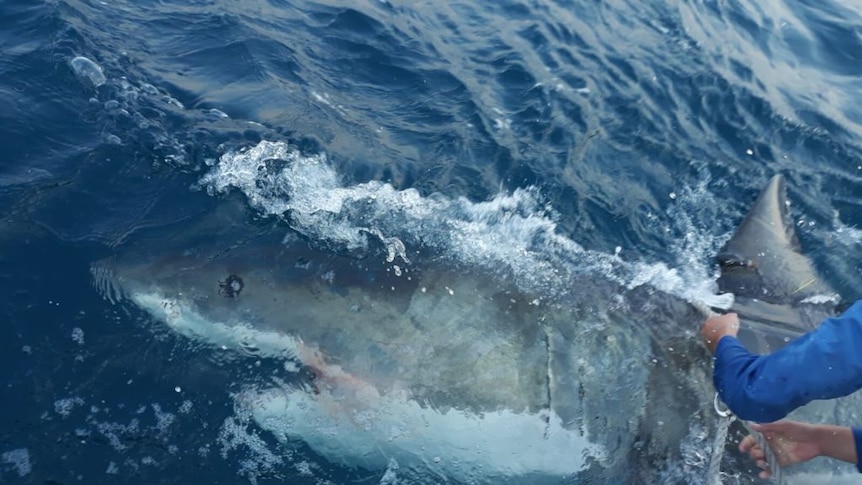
[446, 368]
[778, 293]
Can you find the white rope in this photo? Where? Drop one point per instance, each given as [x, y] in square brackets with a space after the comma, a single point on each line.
[714, 473]
[726, 417]
[771, 459]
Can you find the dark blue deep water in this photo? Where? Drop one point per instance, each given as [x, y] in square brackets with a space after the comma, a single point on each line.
[640, 131]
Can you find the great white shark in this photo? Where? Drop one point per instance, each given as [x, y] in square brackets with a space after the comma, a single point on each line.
[455, 373]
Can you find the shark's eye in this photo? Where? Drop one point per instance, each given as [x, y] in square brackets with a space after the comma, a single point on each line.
[231, 287]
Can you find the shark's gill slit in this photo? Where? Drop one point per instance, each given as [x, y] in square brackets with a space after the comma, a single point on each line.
[549, 406]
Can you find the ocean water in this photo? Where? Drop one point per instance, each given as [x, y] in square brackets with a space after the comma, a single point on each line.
[593, 157]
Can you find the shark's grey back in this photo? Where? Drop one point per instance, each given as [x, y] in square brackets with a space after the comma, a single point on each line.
[778, 292]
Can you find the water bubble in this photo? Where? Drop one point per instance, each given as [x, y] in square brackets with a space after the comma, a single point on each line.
[216, 113]
[19, 460]
[78, 336]
[149, 89]
[88, 70]
[64, 407]
[173, 101]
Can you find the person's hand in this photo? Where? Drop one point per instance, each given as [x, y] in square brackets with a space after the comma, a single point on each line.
[791, 442]
[717, 327]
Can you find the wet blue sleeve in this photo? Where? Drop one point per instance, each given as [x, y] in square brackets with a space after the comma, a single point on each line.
[823, 364]
[857, 439]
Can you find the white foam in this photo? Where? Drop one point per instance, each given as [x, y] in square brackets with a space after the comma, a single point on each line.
[78, 336]
[832, 299]
[65, 406]
[164, 419]
[19, 460]
[235, 434]
[849, 236]
[511, 232]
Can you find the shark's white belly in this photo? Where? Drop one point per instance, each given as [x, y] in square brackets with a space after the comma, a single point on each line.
[454, 443]
[348, 420]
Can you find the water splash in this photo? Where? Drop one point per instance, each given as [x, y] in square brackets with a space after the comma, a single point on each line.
[515, 233]
[18, 460]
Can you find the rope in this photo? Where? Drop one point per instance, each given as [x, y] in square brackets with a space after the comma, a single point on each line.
[714, 474]
[771, 459]
[726, 417]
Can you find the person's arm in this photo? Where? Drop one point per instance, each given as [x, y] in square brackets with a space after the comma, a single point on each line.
[857, 440]
[794, 442]
[822, 364]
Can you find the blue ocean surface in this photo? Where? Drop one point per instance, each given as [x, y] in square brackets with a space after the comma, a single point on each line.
[330, 242]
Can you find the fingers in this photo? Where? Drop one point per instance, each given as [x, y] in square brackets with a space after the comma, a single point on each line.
[757, 453]
[766, 472]
[747, 444]
[750, 446]
[716, 327]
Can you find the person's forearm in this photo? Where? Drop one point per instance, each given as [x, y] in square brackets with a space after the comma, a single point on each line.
[837, 442]
[822, 364]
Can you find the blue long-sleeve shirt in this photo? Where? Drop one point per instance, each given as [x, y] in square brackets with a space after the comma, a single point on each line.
[823, 364]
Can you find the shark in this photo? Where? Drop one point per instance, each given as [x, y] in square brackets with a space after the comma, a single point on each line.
[451, 372]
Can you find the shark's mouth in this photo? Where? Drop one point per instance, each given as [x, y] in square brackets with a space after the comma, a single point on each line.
[351, 421]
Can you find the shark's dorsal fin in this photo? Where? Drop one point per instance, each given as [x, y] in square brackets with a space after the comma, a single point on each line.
[773, 282]
[763, 259]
